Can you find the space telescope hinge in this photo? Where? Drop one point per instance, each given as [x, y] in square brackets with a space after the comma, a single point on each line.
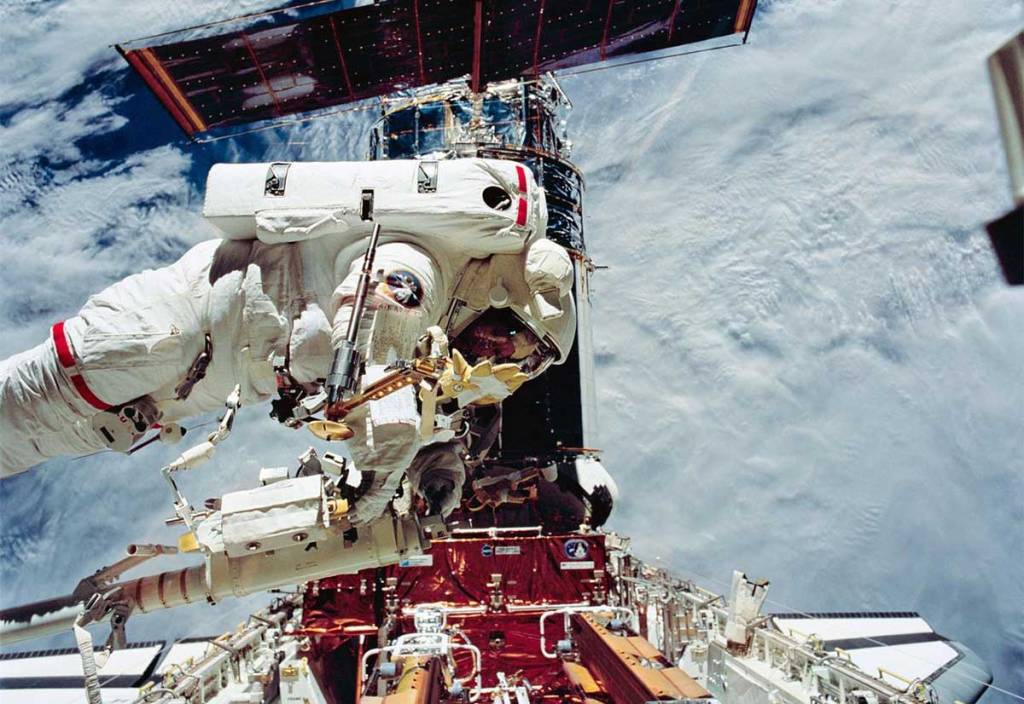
[366, 205]
[426, 177]
[277, 177]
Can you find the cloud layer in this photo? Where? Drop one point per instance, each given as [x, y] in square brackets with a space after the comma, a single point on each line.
[808, 368]
[813, 353]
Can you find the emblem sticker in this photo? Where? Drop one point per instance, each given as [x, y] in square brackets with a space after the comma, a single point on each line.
[405, 288]
[486, 549]
[576, 549]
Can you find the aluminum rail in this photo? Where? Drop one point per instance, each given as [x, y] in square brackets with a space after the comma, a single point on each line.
[39, 619]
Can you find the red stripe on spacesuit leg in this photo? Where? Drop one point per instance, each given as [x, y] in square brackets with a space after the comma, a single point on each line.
[521, 174]
[521, 213]
[60, 341]
[67, 360]
[86, 393]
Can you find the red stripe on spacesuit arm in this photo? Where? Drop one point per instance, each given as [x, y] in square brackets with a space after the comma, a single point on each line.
[86, 393]
[67, 360]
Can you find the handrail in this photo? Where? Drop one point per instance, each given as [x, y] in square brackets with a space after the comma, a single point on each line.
[496, 531]
[427, 644]
[569, 611]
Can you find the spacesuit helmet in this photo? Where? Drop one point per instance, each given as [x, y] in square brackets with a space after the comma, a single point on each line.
[503, 337]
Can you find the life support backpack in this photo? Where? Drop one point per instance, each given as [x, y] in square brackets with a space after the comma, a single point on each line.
[475, 207]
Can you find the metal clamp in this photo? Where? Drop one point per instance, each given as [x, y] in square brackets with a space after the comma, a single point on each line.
[568, 612]
[277, 179]
[426, 177]
[197, 371]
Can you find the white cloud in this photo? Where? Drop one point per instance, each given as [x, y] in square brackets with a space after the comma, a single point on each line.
[50, 130]
[50, 47]
[803, 341]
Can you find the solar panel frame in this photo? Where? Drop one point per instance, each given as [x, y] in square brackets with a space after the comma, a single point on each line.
[272, 70]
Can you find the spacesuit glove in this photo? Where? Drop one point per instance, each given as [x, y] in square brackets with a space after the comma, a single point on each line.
[433, 343]
[482, 383]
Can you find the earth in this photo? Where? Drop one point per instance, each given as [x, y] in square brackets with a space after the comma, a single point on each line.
[808, 366]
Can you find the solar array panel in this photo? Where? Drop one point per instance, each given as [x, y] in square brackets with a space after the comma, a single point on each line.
[286, 67]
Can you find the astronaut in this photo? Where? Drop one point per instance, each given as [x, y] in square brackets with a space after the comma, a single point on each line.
[266, 304]
[508, 318]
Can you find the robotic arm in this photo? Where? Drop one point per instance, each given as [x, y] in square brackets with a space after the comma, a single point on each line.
[285, 532]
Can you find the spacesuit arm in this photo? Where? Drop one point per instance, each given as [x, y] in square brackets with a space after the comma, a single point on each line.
[41, 415]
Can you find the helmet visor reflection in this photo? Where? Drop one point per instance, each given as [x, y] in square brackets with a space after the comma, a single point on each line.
[502, 337]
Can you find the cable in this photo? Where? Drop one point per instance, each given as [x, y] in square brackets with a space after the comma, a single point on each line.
[194, 632]
[155, 437]
[566, 74]
[156, 690]
[792, 610]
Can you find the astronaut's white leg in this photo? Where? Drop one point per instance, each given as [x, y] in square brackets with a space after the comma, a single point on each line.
[407, 301]
[385, 442]
[133, 338]
[386, 468]
[31, 430]
[139, 337]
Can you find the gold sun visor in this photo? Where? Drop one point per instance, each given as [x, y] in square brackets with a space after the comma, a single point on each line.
[502, 337]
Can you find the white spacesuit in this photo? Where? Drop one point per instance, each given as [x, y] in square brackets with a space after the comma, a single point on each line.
[460, 240]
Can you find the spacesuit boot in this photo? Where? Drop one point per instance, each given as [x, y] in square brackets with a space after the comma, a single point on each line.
[437, 474]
